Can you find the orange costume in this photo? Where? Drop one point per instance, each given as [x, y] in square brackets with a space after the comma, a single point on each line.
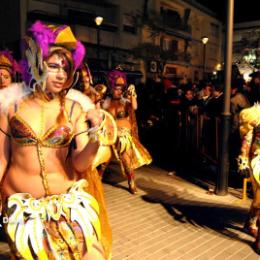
[65, 225]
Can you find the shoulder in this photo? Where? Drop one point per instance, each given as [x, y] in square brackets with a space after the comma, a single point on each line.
[250, 115]
[74, 109]
[75, 96]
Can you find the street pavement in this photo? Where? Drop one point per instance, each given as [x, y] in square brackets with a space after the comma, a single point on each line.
[173, 217]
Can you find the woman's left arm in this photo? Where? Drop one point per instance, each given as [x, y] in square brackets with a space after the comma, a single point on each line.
[86, 144]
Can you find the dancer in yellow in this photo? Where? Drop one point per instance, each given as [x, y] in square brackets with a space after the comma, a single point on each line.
[128, 149]
[50, 214]
[249, 164]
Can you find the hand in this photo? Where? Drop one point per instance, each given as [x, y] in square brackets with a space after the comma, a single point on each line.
[131, 91]
[95, 117]
[245, 173]
[243, 166]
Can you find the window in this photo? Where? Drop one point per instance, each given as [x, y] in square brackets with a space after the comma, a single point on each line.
[168, 44]
[170, 17]
[129, 24]
[170, 70]
[174, 46]
[214, 30]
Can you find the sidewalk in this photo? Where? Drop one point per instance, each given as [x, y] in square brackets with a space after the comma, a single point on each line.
[171, 218]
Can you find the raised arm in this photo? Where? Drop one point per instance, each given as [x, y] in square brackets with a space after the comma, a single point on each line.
[86, 144]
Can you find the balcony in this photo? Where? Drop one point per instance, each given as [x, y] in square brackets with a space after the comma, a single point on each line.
[46, 16]
[88, 19]
[172, 20]
[76, 12]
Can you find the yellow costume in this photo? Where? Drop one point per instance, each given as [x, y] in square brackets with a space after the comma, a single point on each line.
[249, 163]
[53, 227]
[128, 150]
[67, 225]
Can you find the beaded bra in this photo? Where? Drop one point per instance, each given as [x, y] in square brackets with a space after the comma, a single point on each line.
[56, 136]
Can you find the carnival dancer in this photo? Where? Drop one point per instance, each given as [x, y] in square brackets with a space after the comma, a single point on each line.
[9, 69]
[249, 164]
[51, 216]
[128, 149]
[85, 82]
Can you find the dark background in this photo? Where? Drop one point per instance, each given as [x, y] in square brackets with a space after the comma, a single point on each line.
[244, 10]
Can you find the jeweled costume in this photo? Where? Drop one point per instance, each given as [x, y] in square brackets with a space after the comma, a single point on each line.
[128, 149]
[54, 226]
[249, 163]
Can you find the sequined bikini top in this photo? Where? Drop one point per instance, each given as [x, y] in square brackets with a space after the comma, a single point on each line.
[56, 136]
[122, 114]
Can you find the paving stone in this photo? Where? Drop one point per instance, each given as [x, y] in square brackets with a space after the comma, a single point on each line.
[171, 218]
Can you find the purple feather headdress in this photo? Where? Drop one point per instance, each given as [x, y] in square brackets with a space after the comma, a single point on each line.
[45, 37]
[114, 76]
[7, 61]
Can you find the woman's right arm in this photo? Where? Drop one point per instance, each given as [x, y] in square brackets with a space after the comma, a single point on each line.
[4, 144]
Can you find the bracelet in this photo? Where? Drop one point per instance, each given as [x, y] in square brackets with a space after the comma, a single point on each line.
[95, 133]
[242, 163]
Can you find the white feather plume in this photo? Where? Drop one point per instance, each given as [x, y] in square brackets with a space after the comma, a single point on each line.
[12, 94]
[84, 100]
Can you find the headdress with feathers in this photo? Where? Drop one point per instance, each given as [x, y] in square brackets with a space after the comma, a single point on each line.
[117, 78]
[9, 63]
[42, 40]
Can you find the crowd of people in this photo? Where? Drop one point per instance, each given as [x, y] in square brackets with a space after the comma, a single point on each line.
[190, 114]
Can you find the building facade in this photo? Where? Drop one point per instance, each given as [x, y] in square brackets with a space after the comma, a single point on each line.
[184, 24]
[167, 33]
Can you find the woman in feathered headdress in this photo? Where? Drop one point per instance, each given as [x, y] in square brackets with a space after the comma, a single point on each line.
[122, 106]
[50, 214]
[9, 69]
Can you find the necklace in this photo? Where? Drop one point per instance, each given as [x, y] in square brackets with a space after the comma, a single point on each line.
[42, 121]
[39, 148]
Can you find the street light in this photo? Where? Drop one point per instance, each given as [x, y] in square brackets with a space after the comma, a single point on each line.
[204, 40]
[98, 21]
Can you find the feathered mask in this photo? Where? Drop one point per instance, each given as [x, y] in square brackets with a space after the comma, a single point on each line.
[9, 63]
[117, 78]
[41, 42]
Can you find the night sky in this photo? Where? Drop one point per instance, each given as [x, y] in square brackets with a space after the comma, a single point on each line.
[245, 10]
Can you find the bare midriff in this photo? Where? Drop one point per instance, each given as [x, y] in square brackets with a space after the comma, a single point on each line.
[24, 173]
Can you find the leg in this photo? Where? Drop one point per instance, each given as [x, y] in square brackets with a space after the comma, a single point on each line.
[96, 252]
[102, 168]
[126, 160]
[251, 222]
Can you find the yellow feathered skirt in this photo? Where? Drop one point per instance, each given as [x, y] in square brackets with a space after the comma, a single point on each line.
[63, 226]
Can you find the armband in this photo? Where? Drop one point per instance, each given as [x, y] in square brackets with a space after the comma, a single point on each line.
[242, 163]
